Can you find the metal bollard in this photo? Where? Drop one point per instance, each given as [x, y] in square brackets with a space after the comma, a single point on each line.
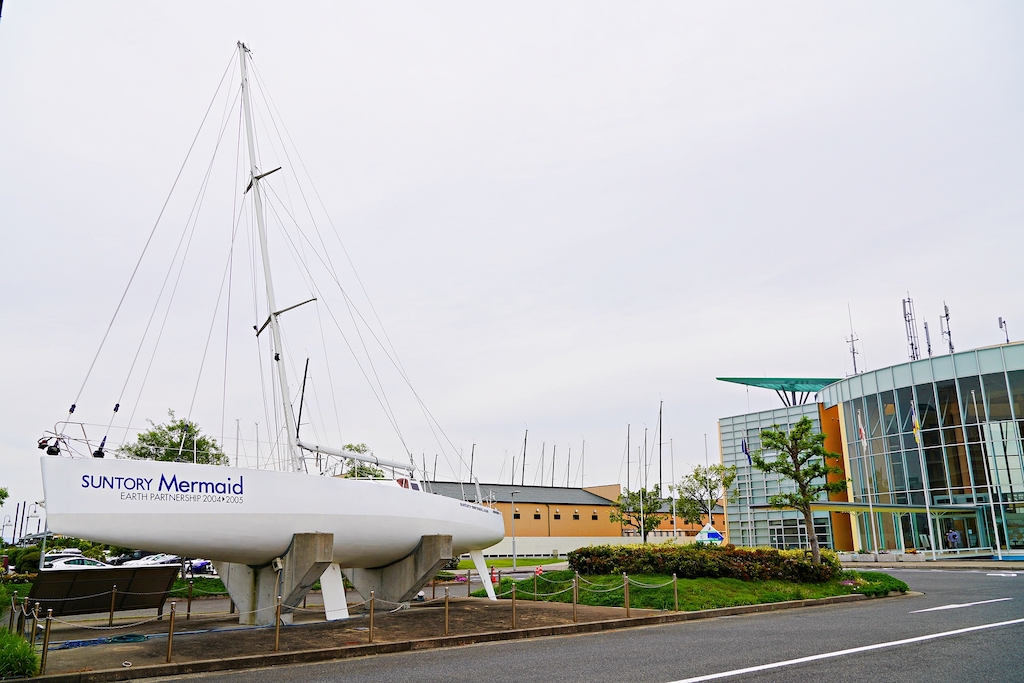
[469, 583]
[35, 624]
[575, 596]
[21, 617]
[170, 634]
[14, 610]
[372, 602]
[446, 611]
[277, 625]
[513, 606]
[675, 590]
[535, 587]
[433, 588]
[625, 592]
[46, 642]
[113, 598]
[188, 609]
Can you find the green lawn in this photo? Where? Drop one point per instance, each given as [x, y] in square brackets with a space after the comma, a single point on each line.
[694, 594]
[506, 562]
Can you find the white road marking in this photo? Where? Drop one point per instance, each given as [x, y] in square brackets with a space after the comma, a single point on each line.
[850, 651]
[956, 606]
[1006, 574]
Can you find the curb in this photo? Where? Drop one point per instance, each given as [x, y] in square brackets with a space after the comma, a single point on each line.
[337, 653]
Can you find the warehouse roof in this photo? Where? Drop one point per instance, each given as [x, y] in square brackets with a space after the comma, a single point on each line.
[502, 493]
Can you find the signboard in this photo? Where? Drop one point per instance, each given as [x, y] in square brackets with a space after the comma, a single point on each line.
[710, 535]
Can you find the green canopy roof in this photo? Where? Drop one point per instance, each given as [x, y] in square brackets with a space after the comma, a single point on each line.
[801, 384]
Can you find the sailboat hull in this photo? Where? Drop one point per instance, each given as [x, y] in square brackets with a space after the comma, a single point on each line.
[249, 516]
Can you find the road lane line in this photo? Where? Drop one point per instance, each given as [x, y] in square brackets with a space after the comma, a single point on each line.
[958, 606]
[850, 651]
[1004, 574]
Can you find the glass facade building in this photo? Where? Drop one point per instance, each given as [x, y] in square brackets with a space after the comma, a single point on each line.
[747, 524]
[966, 453]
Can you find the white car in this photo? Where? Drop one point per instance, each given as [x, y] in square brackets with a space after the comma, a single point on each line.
[160, 558]
[76, 563]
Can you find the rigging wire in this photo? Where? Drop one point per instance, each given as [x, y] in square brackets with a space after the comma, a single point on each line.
[149, 239]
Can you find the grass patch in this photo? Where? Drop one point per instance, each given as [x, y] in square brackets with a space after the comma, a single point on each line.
[506, 562]
[694, 594]
[17, 656]
[201, 585]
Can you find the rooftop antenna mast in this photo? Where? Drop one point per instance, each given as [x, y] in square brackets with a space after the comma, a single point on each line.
[908, 317]
[1004, 328]
[851, 340]
[945, 329]
[927, 339]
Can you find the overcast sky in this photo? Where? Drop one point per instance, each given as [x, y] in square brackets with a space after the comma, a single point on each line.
[563, 213]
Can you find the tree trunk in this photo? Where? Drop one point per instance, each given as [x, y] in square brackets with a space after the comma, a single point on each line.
[812, 537]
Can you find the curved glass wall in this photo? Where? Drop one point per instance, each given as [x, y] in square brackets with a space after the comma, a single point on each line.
[968, 451]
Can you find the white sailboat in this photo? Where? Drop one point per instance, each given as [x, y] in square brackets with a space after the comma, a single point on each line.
[250, 517]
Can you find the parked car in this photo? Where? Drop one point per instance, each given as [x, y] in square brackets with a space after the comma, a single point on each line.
[159, 558]
[75, 563]
[201, 566]
[128, 557]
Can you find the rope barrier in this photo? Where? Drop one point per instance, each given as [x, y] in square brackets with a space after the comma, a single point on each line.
[105, 628]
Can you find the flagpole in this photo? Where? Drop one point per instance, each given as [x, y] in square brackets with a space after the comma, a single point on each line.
[925, 482]
[870, 470]
[991, 484]
[750, 493]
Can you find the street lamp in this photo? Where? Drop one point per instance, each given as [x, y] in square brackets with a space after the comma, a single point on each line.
[3, 528]
[513, 496]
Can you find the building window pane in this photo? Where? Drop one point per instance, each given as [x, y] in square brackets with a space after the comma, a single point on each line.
[905, 397]
[1016, 379]
[997, 400]
[970, 396]
[890, 421]
[926, 413]
[949, 407]
[873, 423]
[936, 469]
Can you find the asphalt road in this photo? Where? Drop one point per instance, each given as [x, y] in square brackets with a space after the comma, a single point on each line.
[715, 647]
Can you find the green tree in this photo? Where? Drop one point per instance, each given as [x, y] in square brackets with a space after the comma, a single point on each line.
[177, 441]
[800, 457]
[3, 495]
[639, 510]
[357, 469]
[699, 491]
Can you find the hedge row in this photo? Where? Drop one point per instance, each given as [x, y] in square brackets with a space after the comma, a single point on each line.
[700, 560]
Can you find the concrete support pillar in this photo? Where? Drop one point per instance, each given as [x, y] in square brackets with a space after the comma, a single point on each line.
[255, 589]
[402, 580]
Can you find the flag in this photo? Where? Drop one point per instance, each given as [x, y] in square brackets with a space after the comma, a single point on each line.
[746, 451]
[917, 425]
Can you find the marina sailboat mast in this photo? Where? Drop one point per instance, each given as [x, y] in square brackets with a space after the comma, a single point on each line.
[256, 176]
[295, 445]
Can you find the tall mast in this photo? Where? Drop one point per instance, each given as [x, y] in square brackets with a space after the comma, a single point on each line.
[275, 330]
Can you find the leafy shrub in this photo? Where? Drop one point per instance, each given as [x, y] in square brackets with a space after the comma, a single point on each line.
[27, 562]
[17, 656]
[700, 560]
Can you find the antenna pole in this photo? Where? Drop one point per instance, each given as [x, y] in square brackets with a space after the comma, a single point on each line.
[275, 330]
[852, 341]
[946, 332]
[911, 323]
[1005, 328]
[927, 339]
